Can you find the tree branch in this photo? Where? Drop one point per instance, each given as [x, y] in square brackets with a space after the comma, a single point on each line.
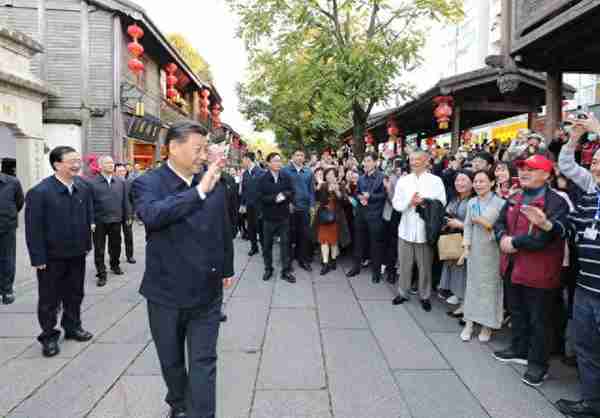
[374, 11]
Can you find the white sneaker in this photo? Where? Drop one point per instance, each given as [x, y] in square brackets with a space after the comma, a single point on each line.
[453, 300]
[485, 334]
[467, 331]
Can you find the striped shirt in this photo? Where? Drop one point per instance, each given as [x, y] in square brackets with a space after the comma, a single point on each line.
[582, 218]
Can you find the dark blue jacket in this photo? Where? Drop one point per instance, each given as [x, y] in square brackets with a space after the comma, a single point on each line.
[373, 185]
[304, 186]
[58, 224]
[189, 244]
[268, 191]
[249, 186]
[111, 204]
[11, 202]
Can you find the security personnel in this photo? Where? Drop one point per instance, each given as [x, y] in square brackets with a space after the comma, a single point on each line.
[189, 259]
[250, 203]
[11, 202]
[59, 214]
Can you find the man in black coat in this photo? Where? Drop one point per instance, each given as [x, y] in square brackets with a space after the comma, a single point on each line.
[111, 207]
[276, 193]
[189, 259]
[11, 202]
[250, 203]
[59, 216]
[127, 225]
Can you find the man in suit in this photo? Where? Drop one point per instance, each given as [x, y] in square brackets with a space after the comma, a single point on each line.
[368, 224]
[276, 193]
[111, 207]
[189, 259]
[249, 201]
[59, 219]
[127, 225]
[11, 203]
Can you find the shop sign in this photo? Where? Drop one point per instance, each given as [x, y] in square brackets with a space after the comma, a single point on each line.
[505, 133]
[8, 109]
[146, 128]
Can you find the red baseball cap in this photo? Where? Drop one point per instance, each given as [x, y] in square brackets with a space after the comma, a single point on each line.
[537, 162]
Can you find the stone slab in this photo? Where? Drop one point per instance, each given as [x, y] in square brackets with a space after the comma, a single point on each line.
[19, 325]
[497, 386]
[291, 404]
[12, 347]
[133, 328]
[365, 289]
[292, 357]
[236, 377]
[435, 321]
[252, 285]
[134, 396]
[76, 388]
[360, 382]
[438, 394]
[146, 364]
[338, 307]
[245, 327]
[296, 295]
[16, 385]
[403, 342]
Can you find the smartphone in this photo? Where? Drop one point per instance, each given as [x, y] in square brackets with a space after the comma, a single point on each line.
[515, 182]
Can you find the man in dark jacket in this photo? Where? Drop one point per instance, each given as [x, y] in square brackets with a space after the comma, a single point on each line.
[189, 259]
[368, 223]
[59, 217]
[250, 203]
[111, 209]
[11, 202]
[276, 192]
[127, 224]
[532, 259]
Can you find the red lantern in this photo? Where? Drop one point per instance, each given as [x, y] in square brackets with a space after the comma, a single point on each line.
[443, 111]
[135, 31]
[204, 104]
[171, 69]
[392, 127]
[172, 93]
[135, 49]
[216, 115]
[135, 66]
[369, 139]
[171, 80]
[430, 142]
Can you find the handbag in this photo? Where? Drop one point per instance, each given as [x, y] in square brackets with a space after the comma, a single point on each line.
[326, 216]
[450, 246]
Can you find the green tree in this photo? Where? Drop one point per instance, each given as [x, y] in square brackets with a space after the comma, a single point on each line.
[357, 50]
[191, 56]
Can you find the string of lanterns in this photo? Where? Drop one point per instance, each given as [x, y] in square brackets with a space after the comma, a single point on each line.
[172, 93]
[135, 65]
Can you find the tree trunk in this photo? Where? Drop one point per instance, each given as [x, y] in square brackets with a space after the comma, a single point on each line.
[359, 120]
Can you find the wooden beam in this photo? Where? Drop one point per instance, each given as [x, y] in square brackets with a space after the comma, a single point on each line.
[117, 116]
[42, 38]
[85, 76]
[553, 103]
[485, 106]
[456, 122]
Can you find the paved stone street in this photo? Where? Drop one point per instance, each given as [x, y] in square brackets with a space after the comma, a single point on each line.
[322, 348]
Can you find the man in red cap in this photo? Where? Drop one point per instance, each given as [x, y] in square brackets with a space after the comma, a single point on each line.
[531, 259]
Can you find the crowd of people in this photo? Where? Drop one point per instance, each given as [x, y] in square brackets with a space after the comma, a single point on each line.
[506, 237]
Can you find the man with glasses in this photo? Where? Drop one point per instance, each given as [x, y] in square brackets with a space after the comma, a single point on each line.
[59, 219]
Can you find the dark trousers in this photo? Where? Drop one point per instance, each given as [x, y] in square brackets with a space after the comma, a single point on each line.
[532, 313]
[369, 231]
[194, 388]
[300, 235]
[113, 231]
[8, 254]
[60, 282]
[586, 319]
[390, 242]
[255, 227]
[128, 238]
[281, 229]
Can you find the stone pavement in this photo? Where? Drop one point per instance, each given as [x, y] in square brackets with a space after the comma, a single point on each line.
[325, 347]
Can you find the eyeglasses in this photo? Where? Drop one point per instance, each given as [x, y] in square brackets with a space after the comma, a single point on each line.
[71, 162]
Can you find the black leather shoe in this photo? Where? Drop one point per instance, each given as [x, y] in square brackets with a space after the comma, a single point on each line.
[177, 413]
[288, 277]
[333, 265]
[399, 300]
[223, 317]
[8, 298]
[376, 278]
[391, 277]
[304, 266]
[50, 349]
[325, 269]
[131, 260]
[117, 271]
[268, 274]
[426, 305]
[101, 281]
[79, 334]
[252, 252]
[576, 409]
[355, 271]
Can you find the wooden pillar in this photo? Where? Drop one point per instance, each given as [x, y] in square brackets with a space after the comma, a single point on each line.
[506, 19]
[553, 103]
[531, 116]
[85, 76]
[117, 115]
[456, 128]
[42, 38]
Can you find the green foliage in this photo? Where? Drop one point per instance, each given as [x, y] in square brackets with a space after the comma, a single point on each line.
[317, 66]
[191, 56]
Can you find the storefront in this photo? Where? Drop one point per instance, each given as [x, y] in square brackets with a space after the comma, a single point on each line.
[143, 145]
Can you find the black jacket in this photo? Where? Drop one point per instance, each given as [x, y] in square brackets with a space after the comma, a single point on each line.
[111, 204]
[268, 191]
[233, 200]
[373, 185]
[58, 224]
[250, 186]
[189, 246]
[432, 212]
[11, 202]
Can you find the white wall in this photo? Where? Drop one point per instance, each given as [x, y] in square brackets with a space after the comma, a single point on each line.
[8, 146]
[60, 135]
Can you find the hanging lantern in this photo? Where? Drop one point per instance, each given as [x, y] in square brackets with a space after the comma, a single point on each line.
[392, 128]
[216, 115]
[236, 142]
[204, 104]
[369, 139]
[135, 65]
[135, 49]
[172, 93]
[443, 110]
[135, 31]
